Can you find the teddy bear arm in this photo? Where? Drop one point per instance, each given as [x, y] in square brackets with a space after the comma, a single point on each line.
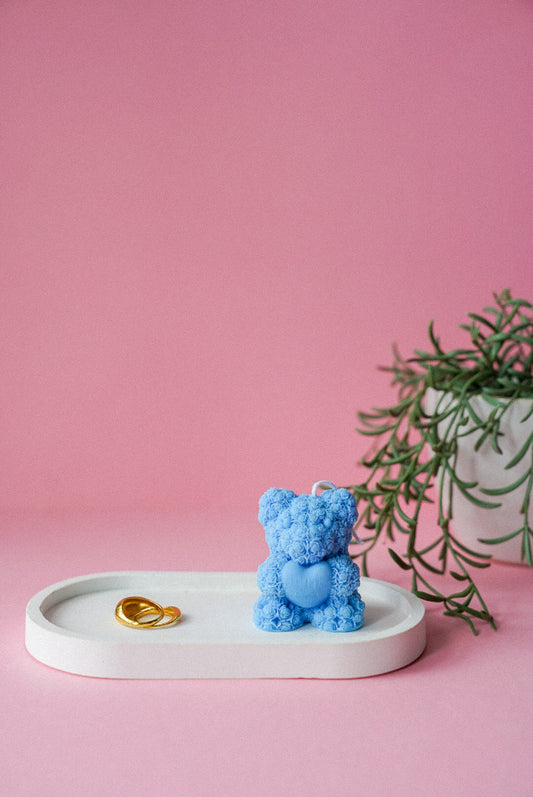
[344, 576]
[269, 575]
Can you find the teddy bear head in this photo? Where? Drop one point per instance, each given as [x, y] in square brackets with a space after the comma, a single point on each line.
[308, 528]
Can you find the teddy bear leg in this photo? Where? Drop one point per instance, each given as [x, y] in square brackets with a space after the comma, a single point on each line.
[339, 614]
[273, 614]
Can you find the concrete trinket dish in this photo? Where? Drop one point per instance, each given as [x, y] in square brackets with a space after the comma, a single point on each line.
[71, 626]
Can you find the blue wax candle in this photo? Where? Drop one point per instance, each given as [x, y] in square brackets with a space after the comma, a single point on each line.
[309, 576]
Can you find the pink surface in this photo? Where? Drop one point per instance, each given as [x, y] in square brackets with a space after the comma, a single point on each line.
[217, 217]
[456, 722]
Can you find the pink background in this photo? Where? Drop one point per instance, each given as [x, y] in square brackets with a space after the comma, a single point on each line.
[217, 217]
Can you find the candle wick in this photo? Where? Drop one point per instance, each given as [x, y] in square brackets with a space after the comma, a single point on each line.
[316, 485]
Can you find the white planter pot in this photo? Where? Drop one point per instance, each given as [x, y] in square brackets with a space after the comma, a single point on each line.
[487, 468]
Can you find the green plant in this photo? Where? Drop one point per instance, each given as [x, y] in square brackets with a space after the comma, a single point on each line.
[414, 449]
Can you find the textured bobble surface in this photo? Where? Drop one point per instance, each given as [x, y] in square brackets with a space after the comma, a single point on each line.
[309, 576]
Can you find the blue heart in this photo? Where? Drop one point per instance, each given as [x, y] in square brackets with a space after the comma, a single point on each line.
[306, 586]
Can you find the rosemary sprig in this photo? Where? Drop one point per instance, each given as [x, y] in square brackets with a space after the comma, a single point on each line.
[413, 460]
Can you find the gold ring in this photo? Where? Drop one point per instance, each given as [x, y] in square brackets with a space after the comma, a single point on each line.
[174, 615]
[130, 611]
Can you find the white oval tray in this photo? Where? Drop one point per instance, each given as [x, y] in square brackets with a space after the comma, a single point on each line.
[71, 626]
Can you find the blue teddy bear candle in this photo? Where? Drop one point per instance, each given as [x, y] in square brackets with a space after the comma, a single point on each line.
[309, 576]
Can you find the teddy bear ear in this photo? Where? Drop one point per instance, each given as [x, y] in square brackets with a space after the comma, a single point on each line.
[272, 503]
[342, 503]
